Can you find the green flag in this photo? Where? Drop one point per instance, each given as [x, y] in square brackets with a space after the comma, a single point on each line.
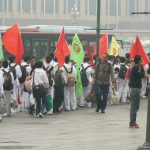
[77, 55]
[1, 49]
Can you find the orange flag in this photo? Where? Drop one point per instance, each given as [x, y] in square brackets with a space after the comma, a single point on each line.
[12, 42]
[137, 49]
[103, 46]
[62, 49]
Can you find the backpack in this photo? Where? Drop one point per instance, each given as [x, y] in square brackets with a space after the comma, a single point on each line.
[59, 80]
[122, 71]
[8, 86]
[148, 71]
[84, 78]
[24, 74]
[13, 70]
[70, 77]
[49, 74]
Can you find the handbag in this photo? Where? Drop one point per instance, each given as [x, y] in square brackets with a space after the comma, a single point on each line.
[90, 97]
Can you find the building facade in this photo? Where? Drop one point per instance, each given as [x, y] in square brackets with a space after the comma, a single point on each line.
[115, 14]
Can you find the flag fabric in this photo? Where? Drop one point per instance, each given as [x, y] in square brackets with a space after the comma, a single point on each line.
[88, 52]
[12, 42]
[137, 49]
[103, 41]
[1, 50]
[114, 49]
[62, 49]
[77, 55]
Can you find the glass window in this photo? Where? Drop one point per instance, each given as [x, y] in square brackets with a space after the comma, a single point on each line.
[26, 6]
[5, 5]
[92, 7]
[69, 4]
[33, 6]
[113, 8]
[119, 7]
[147, 6]
[1, 5]
[49, 6]
[137, 5]
[107, 7]
[131, 7]
[10, 5]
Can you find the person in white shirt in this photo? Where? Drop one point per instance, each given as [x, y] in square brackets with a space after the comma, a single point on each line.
[16, 70]
[86, 90]
[40, 82]
[25, 96]
[69, 91]
[8, 86]
[122, 81]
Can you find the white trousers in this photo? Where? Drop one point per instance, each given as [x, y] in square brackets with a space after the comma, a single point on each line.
[123, 90]
[70, 98]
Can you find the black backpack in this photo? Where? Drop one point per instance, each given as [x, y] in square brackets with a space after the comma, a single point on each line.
[24, 74]
[122, 71]
[8, 86]
[84, 78]
[13, 70]
[49, 74]
[59, 80]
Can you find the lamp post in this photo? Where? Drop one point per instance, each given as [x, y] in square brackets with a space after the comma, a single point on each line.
[75, 14]
[146, 145]
[98, 26]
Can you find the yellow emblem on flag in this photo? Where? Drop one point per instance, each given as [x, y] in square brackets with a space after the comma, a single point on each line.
[114, 49]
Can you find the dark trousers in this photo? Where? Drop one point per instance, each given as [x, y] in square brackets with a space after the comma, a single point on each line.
[135, 104]
[58, 98]
[101, 94]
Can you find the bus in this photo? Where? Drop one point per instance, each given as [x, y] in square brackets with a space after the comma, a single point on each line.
[41, 40]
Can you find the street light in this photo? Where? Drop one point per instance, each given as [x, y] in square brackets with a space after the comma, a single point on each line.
[75, 14]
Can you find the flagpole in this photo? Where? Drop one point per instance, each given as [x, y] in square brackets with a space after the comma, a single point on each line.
[98, 27]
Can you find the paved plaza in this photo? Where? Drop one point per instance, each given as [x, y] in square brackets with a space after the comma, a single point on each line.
[79, 130]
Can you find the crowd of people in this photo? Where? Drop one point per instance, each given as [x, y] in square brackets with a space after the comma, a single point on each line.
[42, 87]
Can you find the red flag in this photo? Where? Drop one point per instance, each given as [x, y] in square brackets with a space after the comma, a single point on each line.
[12, 42]
[62, 49]
[88, 52]
[103, 46]
[137, 49]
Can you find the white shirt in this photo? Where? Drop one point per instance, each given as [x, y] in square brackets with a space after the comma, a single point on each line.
[18, 70]
[40, 77]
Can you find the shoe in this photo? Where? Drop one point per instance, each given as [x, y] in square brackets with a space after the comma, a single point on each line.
[40, 115]
[50, 113]
[97, 110]
[102, 111]
[37, 116]
[56, 112]
[134, 126]
[143, 97]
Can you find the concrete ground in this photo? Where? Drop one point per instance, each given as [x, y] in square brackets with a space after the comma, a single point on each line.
[79, 130]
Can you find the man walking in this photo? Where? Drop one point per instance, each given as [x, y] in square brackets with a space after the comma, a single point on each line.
[104, 73]
[135, 83]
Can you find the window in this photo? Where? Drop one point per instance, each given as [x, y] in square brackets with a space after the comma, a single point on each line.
[10, 5]
[113, 8]
[1, 5]
[131, 7]
[26, 6]
[92, 7]
[70, 4]
[49, 6]
[147, 6]
[33, 6]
